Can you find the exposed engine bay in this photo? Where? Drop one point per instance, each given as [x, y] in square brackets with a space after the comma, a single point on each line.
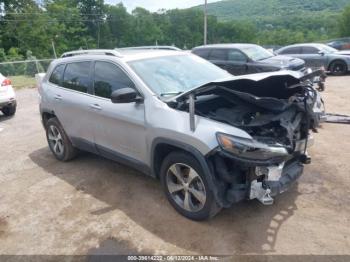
[277, 110]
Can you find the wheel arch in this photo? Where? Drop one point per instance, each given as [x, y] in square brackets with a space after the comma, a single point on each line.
[337, 60]
[161, 147]
[46, 115]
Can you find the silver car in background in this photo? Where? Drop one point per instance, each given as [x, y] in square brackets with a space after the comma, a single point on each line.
[210, 138]
[319, 55]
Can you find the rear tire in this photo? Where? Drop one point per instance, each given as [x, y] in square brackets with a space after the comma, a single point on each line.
[9, 110]
[186, 186]
[58, 141]
[338, 68]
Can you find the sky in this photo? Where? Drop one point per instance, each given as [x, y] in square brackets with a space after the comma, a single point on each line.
[154, 5]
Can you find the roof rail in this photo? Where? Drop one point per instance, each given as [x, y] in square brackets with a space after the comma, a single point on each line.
[110, 52]
[155, 47]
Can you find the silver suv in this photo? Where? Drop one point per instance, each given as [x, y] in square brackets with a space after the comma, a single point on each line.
[210, 138]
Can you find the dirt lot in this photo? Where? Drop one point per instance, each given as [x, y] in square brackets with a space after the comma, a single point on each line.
[92, 205]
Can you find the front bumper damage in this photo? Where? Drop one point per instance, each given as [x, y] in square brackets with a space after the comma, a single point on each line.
[276, 180]
[241, 179]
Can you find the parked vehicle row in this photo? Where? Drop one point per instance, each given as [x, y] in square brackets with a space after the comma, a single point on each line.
[8, 102]
[212, 139]
[340, 43]
[241, 59]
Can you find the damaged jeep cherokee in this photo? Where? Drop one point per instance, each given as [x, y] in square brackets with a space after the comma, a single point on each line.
[212, 139]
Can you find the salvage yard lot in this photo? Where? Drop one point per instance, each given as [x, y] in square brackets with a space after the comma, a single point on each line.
[93, 206]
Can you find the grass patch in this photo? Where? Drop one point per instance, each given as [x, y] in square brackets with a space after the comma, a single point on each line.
[19, 82]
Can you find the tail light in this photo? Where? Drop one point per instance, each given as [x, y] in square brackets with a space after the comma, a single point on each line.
[6, 82]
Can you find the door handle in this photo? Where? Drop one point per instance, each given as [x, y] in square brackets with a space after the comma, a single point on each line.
[95, 106]
[58, 97]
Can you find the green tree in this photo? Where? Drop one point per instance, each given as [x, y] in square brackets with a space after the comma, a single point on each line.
[344, 23]
[66, 29]
[92, 12]
[143, 27]
[116, 30]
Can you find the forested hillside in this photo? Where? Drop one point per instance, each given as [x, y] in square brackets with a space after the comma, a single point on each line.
[291, 20]
[267, 9]
[28, 29]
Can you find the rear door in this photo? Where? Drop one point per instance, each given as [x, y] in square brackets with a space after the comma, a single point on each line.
[218, 57]
[294, 51]
[71, 101]
[202, 52]
[312, 57]
[236, 62]
[120, 128]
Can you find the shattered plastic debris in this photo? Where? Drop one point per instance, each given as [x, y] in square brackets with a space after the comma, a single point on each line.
[337, 119]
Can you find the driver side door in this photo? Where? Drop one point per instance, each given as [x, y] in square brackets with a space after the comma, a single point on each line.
[312, 57]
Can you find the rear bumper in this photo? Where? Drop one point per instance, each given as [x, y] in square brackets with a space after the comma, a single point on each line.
[11, 102]
[7, 97]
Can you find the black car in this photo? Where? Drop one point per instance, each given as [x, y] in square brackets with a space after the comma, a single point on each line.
[340, 43]
[241, 59]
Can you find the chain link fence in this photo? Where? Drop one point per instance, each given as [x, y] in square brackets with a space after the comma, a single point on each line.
[22, 73]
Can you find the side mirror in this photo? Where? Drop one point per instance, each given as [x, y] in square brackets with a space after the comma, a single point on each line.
[125, 95]
[321, 53]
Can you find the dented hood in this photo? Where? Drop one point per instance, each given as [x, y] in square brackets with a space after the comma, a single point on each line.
[273, 84]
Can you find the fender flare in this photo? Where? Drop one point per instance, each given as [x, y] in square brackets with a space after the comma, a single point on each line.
[199, 157]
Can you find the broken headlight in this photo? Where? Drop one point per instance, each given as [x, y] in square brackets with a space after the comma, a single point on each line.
[248, 148]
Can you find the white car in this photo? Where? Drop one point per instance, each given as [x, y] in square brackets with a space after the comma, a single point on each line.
[8, 102]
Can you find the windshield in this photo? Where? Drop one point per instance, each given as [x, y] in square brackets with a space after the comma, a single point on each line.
[257, 53]
[172, 75]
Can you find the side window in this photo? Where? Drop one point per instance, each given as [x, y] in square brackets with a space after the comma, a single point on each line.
[291, 50]
[310, 50]
[218, 54]
[76, 76]
[236, 56]
[57, 75]
[108, 78]
[202, 53]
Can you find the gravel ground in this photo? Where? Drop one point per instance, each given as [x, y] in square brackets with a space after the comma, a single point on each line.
[95, 206]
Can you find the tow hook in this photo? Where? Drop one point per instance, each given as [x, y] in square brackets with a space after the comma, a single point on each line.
[305, 159]
[260, 193]
[266, 199]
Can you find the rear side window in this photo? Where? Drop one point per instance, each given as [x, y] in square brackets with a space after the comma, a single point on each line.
[218, 54]
[309, 50]
[204, 53]
[57, 75]
[76, 76]
[291, 50]
[236, 56]
[108, 78]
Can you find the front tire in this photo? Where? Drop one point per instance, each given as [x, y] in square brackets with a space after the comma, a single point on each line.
[58, 141]
[186, 186]
[338, 68]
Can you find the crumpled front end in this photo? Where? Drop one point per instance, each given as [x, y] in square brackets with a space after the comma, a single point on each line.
[279, 113]
[240, 178]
